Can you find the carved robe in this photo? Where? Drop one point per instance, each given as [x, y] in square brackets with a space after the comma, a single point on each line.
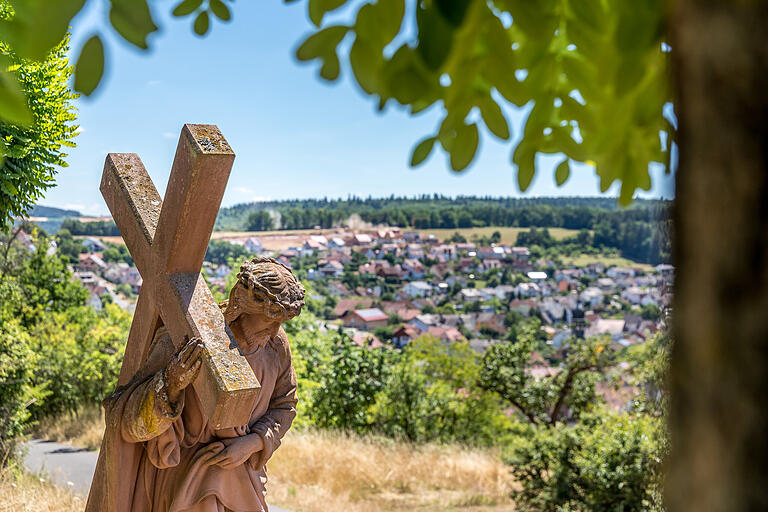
[155, 462]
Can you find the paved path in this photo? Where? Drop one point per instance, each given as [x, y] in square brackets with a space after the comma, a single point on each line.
[67, 466]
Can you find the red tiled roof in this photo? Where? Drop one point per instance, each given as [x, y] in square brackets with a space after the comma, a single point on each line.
[345, 305]
[366, 339]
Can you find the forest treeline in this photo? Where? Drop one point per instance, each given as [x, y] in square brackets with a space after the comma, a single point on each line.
[640, 232]
[435, 211]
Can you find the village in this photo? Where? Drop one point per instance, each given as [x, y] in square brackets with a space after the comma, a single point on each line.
[387, 286]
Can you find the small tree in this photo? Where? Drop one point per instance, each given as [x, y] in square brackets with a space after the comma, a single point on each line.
[546, 400]
[17, 393]
[348, 385]
[431, 394]
[33, 147]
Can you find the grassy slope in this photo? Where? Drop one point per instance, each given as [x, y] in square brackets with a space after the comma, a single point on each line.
[324, 472]
[584, 259]
[26, 493]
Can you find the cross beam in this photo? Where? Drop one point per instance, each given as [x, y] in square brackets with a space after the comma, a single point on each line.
[167, 240]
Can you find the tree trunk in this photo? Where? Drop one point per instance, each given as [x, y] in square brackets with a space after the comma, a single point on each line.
[719, 375]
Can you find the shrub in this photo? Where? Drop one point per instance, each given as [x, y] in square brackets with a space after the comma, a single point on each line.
[80, 356]
[608, 461]
[348, 385]
[431, 395]
[17, 393]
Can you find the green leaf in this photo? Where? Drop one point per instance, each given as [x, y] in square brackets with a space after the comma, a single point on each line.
[562, 137]
[318, 8]
[202, 22]
[379, 23]
[13, 103]
[390, 14]
[186, 7]
[464, 147]
[525, 159]
[220, 9]
[37, 26]
[406, 80]
[503, 78]
[533, 18]
[321, 43]
[132, 20]
[626, 193]
[589, 12]
[435, 37]
[90, 66]
[422, 151]
[494, 118]
[581, 74]
[562, 172]
[366, 64]
[628, 75]
[331, 67]
[640, 27]
[453, 10]
[541, 116]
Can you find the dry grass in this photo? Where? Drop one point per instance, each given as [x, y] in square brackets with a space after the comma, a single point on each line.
[26, 493]
[319, 471]
[327, 472]
[83, 430]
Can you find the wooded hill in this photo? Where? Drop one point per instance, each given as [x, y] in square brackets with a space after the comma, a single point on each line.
[436, 211]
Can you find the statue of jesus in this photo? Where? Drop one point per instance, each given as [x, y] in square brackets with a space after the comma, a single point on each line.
[184, 464]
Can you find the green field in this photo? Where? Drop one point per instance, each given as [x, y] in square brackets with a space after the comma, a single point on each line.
[508, 235]
[585, 259]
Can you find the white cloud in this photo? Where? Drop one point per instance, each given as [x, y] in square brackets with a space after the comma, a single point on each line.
[169, 135]
[243, 190]
[261, 198]
[153, 83]
[80, 129]
[93, 209]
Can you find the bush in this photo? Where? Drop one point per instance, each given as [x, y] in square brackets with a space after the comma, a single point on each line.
[348, 385]
[431, 395]
[80, 352]
[42, 285]
[17, 393]
[607, 462]
[225, 253]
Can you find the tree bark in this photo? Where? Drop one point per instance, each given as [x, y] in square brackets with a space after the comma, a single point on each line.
[719, 373]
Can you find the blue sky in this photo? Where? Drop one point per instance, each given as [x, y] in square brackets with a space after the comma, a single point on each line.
[294, 134]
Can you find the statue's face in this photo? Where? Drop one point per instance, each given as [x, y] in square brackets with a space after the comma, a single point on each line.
[259, 314]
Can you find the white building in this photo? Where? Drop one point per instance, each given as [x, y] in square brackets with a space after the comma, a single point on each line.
[253, 244]
[592, 296]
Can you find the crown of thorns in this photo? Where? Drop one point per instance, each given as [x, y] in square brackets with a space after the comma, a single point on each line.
[275, 282]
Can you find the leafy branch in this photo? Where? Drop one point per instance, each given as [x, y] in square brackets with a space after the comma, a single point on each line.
[591, 74]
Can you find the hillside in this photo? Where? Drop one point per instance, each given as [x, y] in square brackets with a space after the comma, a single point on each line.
[52, 212]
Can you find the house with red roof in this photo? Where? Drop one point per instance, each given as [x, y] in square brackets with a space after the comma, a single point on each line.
[346, 305]
[365, 318]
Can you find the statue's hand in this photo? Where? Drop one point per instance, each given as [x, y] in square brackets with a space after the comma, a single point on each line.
[183, 368]
[237, 450]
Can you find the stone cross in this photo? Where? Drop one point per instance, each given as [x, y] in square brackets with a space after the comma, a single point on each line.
[167, 240]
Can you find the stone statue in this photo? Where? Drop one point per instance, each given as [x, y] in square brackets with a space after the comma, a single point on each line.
[162, 452]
